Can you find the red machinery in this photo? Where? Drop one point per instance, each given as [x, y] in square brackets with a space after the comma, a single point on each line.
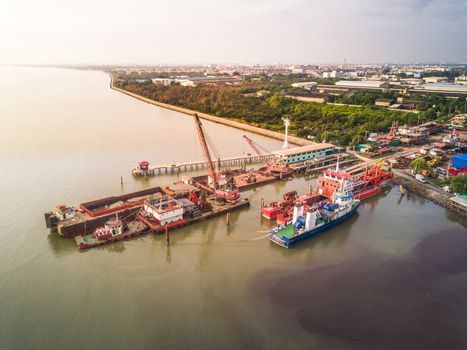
[393, 131]
[272, 168]
[220, 190]
[367, 185]
[455, 171]
[375, 176]
[372, 180]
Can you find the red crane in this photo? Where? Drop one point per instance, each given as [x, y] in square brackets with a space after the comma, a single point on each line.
[212, 176]
[229, 195]
[392, 131]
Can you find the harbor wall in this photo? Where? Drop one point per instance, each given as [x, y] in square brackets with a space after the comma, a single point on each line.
[224, 121]
[428, 193]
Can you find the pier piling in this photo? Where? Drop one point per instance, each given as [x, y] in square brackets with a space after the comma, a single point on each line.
[227, 221]
[167, 235]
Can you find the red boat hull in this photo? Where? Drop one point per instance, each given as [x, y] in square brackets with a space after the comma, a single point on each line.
[367, 193]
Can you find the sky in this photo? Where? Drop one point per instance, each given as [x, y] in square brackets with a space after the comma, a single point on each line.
[228, 31]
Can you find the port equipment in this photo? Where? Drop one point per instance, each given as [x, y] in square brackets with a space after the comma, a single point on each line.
[392, 131]
[272, 168]
[374, 176]
[218, 184]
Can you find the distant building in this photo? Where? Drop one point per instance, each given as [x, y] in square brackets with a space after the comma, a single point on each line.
[435, 79]
[411, 81]
[333, 74]
[297, 69]
[445, 87]
[209, 80]
[308, 97]
[461, 80]
[407, 104]
[305, 85]
[304, 153]
[383, 102]
[163, 81]
[362, 84]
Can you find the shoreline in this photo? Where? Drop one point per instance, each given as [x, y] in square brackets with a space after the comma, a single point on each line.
[441, 199]
[219, 120]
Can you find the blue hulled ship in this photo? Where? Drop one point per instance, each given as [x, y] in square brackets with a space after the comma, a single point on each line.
[307, 222]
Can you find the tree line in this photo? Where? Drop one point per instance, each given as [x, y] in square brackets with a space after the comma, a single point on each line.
[342, 125]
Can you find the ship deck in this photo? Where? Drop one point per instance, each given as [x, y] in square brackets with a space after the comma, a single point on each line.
[287, 232]
[88, 241]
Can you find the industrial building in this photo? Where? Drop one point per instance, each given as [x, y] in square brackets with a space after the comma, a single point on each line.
[333, 74]
[383, 102]
[304, 153]
[362, 84]
[194, 81]
[434, 80]
[445, 87]
[305, 85]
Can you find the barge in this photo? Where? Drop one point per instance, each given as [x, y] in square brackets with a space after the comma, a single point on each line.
[162, 209]
[70, 222]
[170, 215]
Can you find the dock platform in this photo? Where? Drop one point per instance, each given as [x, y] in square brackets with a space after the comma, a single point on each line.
[153, 170]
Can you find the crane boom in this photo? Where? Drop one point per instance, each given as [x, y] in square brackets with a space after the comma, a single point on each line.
[255, 147]
[212, 178]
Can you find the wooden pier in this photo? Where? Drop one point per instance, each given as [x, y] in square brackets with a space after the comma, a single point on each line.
[177, 168]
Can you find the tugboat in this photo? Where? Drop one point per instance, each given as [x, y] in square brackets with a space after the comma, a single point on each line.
[317, 219]
[113, 230]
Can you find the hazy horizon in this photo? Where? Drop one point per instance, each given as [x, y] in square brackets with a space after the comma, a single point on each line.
[245, 32]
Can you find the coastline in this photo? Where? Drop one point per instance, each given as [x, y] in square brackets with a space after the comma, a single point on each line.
[224, 121]
[437, 197]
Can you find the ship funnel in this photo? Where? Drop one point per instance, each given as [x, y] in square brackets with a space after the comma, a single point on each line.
[297, 212]
[310, 222]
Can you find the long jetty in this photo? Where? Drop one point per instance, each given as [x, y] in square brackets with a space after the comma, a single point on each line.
[224, 121]
[200, 164]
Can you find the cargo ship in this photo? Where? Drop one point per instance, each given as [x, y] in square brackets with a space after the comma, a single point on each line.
[362, 187]
[314, 220]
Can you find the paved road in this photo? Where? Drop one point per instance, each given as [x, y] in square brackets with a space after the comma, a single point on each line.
[405, 175]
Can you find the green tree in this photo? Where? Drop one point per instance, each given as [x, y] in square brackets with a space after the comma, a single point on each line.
[418, 164]
[459, 184]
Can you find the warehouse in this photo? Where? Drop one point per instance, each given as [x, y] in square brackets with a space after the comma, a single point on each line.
[362, 84]
[445, 87]
[301, 154]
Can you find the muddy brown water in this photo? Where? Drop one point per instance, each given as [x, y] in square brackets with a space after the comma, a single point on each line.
[392, 277]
